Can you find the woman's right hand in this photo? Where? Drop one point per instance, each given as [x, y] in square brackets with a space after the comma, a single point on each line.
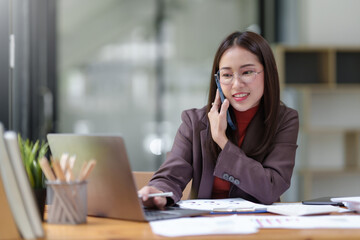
[218, 122]
[157, 202]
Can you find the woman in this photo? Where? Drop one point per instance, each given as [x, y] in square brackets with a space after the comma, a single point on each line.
[253, 161]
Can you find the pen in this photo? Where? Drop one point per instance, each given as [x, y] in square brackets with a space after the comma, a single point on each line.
[165, 194]
[239, 210]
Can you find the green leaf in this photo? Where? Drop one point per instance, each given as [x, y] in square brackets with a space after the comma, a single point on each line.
[30, 175]
[21, 146]
[43, 150]
[31, 153]
[38, 174]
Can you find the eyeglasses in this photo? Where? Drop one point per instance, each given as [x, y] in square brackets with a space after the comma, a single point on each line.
[226, 76]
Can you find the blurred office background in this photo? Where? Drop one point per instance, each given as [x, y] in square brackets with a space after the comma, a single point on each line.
[130, 67]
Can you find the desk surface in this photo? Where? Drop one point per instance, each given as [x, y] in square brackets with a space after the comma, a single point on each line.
[103, 228]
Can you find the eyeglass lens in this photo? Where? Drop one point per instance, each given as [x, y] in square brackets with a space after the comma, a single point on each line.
[227, 76]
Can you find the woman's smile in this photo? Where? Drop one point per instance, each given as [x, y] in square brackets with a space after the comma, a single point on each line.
[241, 96]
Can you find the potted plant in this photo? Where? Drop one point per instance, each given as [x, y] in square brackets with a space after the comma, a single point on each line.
[31, 153]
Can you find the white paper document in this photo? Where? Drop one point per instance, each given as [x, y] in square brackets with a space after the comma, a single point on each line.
[303, 210]
[333, 221]
[248, 224]
[203, 226]
[352, 203]
[221, 205]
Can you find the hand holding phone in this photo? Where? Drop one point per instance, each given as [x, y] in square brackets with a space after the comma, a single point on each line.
[222, 97]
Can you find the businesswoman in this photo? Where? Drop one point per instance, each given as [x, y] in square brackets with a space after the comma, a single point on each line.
[253, 156]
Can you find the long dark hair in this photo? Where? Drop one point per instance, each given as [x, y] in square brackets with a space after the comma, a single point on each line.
[270, 100]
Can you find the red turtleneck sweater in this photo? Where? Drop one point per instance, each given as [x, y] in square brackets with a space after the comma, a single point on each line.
[221, 187]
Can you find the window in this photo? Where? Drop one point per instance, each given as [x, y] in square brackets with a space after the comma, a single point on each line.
[131, 67]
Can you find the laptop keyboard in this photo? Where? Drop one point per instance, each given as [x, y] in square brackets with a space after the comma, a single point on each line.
[171, 212]
[159, 214]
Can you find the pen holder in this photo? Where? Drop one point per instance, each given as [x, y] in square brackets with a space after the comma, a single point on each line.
[67, 202]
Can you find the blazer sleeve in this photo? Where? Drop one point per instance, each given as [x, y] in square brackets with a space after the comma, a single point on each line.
[175, 173]
[264, 181]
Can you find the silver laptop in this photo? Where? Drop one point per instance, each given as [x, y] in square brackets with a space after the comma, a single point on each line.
[112, 190]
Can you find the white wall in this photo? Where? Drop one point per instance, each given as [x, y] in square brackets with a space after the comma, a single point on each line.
[330, 22]
[323, 23]
[319, 22]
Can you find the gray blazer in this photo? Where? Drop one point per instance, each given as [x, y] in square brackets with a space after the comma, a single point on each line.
[260, 179]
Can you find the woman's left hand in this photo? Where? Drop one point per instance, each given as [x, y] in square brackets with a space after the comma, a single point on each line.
[218, 122]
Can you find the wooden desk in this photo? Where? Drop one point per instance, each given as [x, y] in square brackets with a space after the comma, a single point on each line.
[102, 228]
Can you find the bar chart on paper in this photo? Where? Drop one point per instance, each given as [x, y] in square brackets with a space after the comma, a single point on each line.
[229, 205]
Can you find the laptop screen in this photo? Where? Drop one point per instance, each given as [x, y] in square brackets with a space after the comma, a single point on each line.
[111, 188]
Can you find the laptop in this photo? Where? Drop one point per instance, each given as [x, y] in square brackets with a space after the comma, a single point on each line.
[111, 189]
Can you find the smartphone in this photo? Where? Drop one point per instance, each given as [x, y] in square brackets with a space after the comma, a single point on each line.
[322, 201]
[222, 97]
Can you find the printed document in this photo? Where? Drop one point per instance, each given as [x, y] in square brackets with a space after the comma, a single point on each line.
[248, 224]
[332, 221]
[222, 205]
[203, 226]
[352, 203]
[299, 209]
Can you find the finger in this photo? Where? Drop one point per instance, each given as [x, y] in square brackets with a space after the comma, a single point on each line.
[214, 108]
[160, 202]
[144, 192]
[223, 111]
[224, 106]
[144, 196]
[217, 99]
[216, 103]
